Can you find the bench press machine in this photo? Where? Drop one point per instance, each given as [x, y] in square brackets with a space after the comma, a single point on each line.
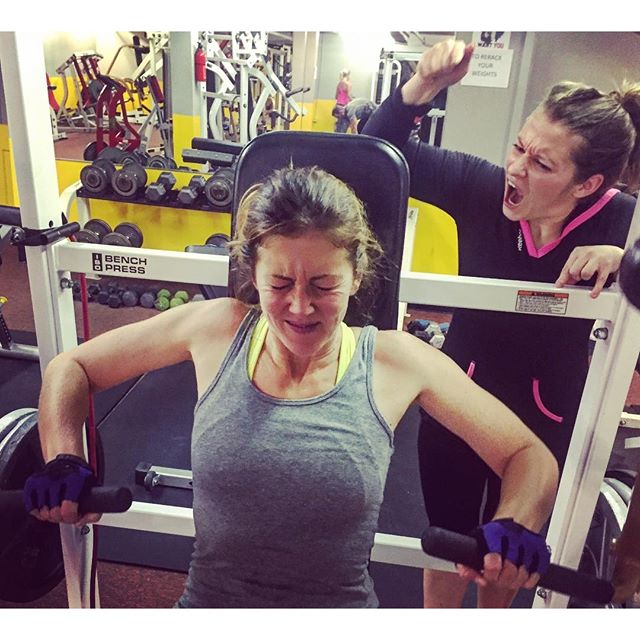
[603, 399]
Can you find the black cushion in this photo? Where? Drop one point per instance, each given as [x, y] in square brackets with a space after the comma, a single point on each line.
[374, 169]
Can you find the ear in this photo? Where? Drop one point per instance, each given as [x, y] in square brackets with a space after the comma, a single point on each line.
[589, 186]
[357, 281]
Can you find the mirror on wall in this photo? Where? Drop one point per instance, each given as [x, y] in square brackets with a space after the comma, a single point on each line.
[149, 93]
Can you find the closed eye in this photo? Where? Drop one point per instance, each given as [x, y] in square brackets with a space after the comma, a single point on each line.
[518, 147]
[280, 287]
[542, 165]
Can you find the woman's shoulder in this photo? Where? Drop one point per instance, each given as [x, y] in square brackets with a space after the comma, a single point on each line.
[219, 318]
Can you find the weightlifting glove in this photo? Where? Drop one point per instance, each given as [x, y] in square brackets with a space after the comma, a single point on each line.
[515, 543]
[65, 477]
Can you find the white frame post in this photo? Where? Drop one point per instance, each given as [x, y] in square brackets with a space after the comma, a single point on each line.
[23, 68]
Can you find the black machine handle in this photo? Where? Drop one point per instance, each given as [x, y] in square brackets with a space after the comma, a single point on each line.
[97, 500]
[40, 237]
[461, 549]
[10, 216]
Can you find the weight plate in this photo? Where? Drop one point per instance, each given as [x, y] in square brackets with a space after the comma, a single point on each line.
[116, 239]
[84, 235]
[100, 227]
[218, 240]
[219, 192]
[94, 179]
[90, 152]
[132, 232]
[157, 162]
[113, 154]
[30, 553]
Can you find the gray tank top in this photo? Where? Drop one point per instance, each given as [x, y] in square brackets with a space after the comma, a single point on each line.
[286, 493]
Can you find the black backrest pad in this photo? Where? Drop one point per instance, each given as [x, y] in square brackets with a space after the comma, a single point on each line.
[374, 169]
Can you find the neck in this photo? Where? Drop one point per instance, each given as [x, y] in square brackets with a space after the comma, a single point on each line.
[545, 231]
[295, 367]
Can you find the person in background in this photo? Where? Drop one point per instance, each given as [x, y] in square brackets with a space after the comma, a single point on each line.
[293, 426]
[552, 214]
[343, 97]
[358, 112]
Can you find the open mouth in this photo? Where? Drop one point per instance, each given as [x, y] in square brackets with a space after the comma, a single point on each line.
[513, 196]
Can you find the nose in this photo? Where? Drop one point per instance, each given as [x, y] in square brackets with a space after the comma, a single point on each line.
[300, 302]
[518, 165]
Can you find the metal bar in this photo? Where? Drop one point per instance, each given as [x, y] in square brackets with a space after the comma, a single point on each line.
[505, 295]
[30, 130]
[418, 288]
[150, 264]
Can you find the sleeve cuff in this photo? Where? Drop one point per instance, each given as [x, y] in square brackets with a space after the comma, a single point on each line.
[408, 110]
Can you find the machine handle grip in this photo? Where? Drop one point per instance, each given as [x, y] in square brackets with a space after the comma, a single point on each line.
[461, 549]
[96, 500]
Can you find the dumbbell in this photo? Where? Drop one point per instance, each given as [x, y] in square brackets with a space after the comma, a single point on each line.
[113, 154]
[126, 182]
[137, 156]
[96, 177]
[219, 187]
[217, 240]
[94, 231]
[189, 194]
[126, 234]
[158, 190]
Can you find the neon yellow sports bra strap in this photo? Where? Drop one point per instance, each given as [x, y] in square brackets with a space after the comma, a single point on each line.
[347, 349]
[258, 337]
[259, 334]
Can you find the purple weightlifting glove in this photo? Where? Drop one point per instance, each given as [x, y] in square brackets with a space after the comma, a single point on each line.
[65, 477]
[515, 543]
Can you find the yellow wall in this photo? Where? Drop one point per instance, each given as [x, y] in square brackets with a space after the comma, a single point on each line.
[185, 127]
[8, 183]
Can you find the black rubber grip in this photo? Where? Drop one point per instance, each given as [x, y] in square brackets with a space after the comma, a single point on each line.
[461, 549]
[10, 216]
[97, 500]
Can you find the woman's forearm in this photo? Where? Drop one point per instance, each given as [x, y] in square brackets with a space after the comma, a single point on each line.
[529, 485]
[63, 407]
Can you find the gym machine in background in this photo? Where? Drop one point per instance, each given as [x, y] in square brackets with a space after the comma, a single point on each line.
[242, 94]
[613, 362]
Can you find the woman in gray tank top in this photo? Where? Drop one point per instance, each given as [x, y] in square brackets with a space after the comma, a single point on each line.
[293, 429]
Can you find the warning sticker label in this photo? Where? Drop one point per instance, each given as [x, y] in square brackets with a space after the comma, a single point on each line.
[541, 302]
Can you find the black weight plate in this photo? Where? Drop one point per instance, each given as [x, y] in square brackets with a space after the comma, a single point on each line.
[157, 162]
[90, 151]
[130, 231]
[116, 239]
[113, 154]
[84, 235]
[218, 240]
[30, 554]
[99, 227]
[94, 179]
[31, 561]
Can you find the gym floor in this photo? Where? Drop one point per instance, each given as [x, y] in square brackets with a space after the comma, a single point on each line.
[135, 571]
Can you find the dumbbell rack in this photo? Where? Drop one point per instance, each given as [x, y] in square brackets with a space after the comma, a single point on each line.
[170, 201]
[610, 374]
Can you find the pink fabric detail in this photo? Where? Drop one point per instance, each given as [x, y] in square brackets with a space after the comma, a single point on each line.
[471, 369]
[576, 222]
[538, 400]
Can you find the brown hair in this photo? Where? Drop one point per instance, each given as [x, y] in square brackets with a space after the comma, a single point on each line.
[294, 201]
[609, 125]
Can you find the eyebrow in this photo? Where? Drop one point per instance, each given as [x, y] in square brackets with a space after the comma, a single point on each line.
[539, 156]
[324, 275]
